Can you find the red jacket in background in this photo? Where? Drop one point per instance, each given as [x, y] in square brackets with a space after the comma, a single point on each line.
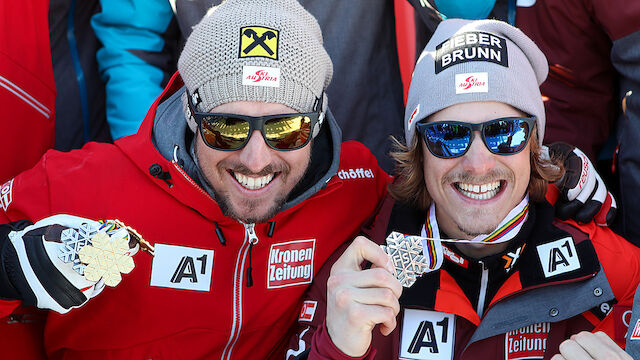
[27, 88]
[27, 99]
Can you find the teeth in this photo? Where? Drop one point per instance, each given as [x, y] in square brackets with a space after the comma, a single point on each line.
[479, 192]
[253, 183]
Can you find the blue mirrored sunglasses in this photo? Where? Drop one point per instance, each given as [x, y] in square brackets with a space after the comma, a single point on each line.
[451, 139]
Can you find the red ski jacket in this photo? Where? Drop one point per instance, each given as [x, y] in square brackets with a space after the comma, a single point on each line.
[202, 295]
[27, 89]
[557, 278]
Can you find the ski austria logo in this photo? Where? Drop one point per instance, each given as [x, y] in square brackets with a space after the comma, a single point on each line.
[291, 263]
[5, 194]
[472, 83]
[415, 113]
[260, 76]
[359, 173]
[635, 335]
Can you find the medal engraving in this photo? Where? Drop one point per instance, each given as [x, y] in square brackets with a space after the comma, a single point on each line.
[407, 256]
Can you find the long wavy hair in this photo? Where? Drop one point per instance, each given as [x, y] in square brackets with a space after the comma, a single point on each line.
[409, 185]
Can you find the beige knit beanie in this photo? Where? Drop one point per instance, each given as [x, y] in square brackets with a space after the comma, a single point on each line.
[256, 50]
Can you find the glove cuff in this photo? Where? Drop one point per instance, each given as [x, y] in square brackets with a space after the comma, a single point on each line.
[13, 285]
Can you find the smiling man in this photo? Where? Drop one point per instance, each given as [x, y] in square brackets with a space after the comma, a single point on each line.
[230, 178]
[499, 277]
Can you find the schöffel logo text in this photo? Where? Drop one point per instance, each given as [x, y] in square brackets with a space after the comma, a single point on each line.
[260, 76]
[291, 263]
[529, 342]
[359, 173]
[471, 46]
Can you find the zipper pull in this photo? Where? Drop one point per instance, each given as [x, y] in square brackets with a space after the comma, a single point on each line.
[253, 239]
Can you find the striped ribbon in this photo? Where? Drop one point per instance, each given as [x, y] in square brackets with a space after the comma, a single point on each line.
[508, 228]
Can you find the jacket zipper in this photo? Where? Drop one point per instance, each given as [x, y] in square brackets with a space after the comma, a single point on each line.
[484, 280]
[250, 239]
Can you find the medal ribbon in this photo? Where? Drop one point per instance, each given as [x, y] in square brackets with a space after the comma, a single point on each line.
[508, 228]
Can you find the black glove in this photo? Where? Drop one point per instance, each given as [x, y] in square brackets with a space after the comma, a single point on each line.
[584, 195]
[50, 264]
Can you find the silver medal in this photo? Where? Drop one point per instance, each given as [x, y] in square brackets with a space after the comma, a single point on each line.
[407, 256]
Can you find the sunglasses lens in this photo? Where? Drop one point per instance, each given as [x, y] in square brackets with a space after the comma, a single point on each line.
[506, 136]
[288, 133]
[224, 132]
[447, 140]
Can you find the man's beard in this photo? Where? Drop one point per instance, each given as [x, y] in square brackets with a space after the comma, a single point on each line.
[476, 229]
[225, 206]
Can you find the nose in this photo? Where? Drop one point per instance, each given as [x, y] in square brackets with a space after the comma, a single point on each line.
[256, 155]
[478, 159]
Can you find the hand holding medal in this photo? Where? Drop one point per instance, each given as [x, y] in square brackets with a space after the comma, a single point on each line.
[62, 261]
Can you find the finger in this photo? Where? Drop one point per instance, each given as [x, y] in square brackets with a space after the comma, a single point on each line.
[568, 210]
[370, 278]
[360, 250]
[588, 211]
[601, 190]
[585, 182]
[599, 345]
[607, 212]
[587, 190]
[570, 349]
[557, 357]
[377, 296]
[387, 327]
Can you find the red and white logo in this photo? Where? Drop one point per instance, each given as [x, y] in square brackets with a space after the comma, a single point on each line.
[5, 194]
[454, 257]
[529, 342]
[635, 335]
[472, 83]
[291, 263]
[415, 112]
[260, 76]
[308, 310]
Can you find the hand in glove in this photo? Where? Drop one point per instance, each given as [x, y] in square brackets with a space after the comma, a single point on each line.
[584, 195]
[62, 261]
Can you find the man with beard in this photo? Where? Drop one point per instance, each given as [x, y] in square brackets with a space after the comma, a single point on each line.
[496, 275]
[230, 179]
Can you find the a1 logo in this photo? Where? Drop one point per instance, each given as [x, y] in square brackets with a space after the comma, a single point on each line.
[427, 335]
[558, 257]
[181, 267]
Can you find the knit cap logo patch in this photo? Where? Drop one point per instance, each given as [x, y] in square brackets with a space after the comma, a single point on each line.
[259, 41]
[290, 263]
[471, 46]
[472, 83]
[260, 76]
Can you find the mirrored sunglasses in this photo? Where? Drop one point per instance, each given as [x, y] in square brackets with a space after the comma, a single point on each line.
[229, 132]
[451, 139]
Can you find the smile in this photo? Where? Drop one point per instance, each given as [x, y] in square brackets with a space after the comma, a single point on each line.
[253, 183]
[479, 192]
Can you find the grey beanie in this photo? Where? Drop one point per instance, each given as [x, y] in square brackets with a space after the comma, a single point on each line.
[256, 50]
[467, 61]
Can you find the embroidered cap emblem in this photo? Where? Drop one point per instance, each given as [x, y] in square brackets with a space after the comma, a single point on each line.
[258, 41]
